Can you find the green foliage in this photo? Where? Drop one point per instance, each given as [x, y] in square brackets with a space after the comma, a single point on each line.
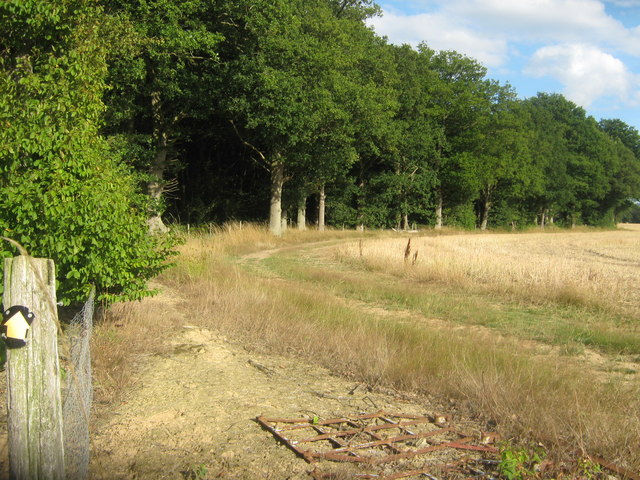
[631, 214]
[585, 169]
[198, 472]
[162, 63]
[341, 204]
[619, 130]
[66, 195]
[461, 216]
[317, 101]
[305, 84]
[589, 469]
[160, 47]
[519, 463]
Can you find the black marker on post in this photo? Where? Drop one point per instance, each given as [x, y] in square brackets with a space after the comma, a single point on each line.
[16, 323]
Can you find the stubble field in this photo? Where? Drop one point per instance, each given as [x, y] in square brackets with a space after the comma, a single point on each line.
[598, 269]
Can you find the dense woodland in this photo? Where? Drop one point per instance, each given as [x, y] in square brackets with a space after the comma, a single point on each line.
[291, 111]
[251, 109]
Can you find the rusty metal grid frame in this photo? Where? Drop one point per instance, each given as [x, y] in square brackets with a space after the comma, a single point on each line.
[338, 430]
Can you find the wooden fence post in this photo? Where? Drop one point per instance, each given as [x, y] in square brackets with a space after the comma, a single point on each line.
[33, 374]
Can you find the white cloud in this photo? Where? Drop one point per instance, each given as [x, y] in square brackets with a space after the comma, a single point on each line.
[545, 21]
[587, 73]
[528, 16]
[441, 33]
[482, 28]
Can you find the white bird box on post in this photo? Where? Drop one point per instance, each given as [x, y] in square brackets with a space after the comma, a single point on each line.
[33, 373]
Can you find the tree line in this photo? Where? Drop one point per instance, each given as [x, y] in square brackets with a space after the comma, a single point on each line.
[267, 109]
[120, 115]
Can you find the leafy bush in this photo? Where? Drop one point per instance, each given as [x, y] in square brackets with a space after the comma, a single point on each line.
[65, 194]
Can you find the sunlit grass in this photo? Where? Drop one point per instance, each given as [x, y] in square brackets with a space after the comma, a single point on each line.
[548, 323]
[370, 317]
[126, 332]
[599, 269]
[240, 238]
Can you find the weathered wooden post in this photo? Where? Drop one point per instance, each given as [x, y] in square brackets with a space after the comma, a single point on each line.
[33, 374]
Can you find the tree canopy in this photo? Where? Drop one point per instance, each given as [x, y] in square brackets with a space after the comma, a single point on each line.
[65, 194]
[292, 102]
[116, 113]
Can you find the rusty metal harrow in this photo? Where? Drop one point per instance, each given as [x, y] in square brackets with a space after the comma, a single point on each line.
[373, 439]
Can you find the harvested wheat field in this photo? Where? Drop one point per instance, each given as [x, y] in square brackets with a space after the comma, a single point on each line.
[597, 269]
[531, 340]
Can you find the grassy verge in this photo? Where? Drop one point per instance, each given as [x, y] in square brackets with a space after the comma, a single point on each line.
[597, 270]
[300, 308]
[541, 398]
[561, 325]
[126, 332]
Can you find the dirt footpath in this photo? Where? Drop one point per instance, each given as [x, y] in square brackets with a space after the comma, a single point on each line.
[193, 413]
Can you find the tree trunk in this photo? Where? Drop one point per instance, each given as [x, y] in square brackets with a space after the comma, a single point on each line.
[439, 202]
[360, 204]
[302, 213]
[155, 186]
[543, 218]
[486, 206]
[321, 208]
[405, 222]
[275, 210]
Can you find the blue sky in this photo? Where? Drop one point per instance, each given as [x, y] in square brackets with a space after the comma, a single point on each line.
[588, 50]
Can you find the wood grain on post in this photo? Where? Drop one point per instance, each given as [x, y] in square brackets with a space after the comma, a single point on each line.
[33, 374]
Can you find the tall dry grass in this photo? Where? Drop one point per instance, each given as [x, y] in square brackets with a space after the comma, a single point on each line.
[129, 331]
[239, 238]
[598, 269]
[545, 399]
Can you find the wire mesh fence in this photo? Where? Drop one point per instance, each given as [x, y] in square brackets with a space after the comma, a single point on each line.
[77, 394]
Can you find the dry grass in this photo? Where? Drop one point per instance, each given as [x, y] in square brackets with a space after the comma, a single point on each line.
[129, 330]
[124, 333]
[238, 238]
[546, 399]
[542, 398]
[600, 269]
